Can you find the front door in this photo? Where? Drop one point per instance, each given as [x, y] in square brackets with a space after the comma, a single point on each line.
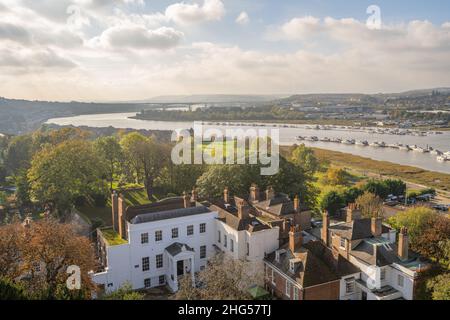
[363, 295]
[180, 268]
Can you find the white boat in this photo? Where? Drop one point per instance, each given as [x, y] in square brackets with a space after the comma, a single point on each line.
[405, 147]
[442, 158]
[362, 143]
[312, 138]
[375, 144]
[447, 154]
[325, 139]
[436, 152]
[348, 141]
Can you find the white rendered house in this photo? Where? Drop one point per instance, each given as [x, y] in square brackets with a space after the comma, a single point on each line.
[156, 244]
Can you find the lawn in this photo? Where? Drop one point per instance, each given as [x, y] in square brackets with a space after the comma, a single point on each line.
[112, 237]
[133, 197]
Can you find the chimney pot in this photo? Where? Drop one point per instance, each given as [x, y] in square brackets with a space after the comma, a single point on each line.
[186, 200]
[243, 210]
[297, 203]
[376, 226]
[295, 238]
[353, 212]
[226, 195]
[325, 226]
[254, 193]
[403, 244]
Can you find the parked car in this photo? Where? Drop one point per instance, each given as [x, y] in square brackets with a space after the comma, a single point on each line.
[441, 207]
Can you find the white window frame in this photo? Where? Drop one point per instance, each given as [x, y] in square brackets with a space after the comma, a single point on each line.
[231, 245]
[296, 293]
[190, 230]
[220, 236]
[175, 233]
[144, 238]
[159, 261]
[382, 274]
[340, 243]
[145, 264]
[402, 282]
[350, 283]
[205, 249]
[163, 278]
[288, 289]
[202, 227]
[149, 283]
[225, 240]
[158, 235]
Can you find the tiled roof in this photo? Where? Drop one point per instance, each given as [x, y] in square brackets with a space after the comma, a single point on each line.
[312, 266]
[356, 229]
[280, 205]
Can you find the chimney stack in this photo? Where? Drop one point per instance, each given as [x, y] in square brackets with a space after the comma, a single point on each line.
[115, 210]
[403, 244]
[295, 238]
[325, 226]
[254, 193]
[297, 203]
[270, 193]
[376, 226]
[243, 209]
[226, 195]
[194, 196]
[121, 210]
[353, 212]
[186, 200]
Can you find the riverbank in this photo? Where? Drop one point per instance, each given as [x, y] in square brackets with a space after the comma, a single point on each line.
[437, 180]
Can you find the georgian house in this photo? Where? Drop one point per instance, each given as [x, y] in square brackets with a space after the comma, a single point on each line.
[156, 244]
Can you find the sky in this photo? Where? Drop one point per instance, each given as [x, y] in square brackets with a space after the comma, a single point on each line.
[122, 50]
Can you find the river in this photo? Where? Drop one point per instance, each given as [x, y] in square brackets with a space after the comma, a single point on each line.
[288, 137]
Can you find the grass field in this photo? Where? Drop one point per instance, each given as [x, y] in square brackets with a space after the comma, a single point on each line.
[432, 179]
[133, 197]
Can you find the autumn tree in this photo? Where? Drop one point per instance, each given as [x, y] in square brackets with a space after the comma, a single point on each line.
[429, 233]
[110, 149]
[18, 154]
[54, 247]
[440, 287]
[125, 292]
[224, 278]
[304, 157]
[61, 174]
[44, 250]
[370, 204]
[146, 156]
[331, 201]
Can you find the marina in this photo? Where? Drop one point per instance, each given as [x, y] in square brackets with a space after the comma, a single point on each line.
[330, 139]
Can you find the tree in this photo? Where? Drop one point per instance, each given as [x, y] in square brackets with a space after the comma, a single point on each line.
[429, 232]
[146, 156]
[336, 176]
[110, 149]
[331, 201]
[440, 287]
[351, 194]
[304, 157]
[377, 187]
[395, 187]
[61, 174]
[125, 292]
[224, 278]
[371, 205]
[19, 153]
[43, 251]
[11, 291]
[55, 247]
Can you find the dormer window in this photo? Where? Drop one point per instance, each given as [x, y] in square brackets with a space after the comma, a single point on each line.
[292, 266]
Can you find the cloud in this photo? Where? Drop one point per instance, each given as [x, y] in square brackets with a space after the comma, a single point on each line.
[136, 37]
[186, 14]
[34, 60]
[15, 33]
[243, 18]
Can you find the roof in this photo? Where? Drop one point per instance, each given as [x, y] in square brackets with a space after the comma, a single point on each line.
[280, 205]
[176, 248]
[380, 252]
[228, 214]
[310, 268]
[170, 214]
[356, 229]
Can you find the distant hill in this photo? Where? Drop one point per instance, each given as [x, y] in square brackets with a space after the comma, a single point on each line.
[214, 98]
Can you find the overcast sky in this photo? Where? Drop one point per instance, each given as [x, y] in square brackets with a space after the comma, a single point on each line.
[94, 50]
